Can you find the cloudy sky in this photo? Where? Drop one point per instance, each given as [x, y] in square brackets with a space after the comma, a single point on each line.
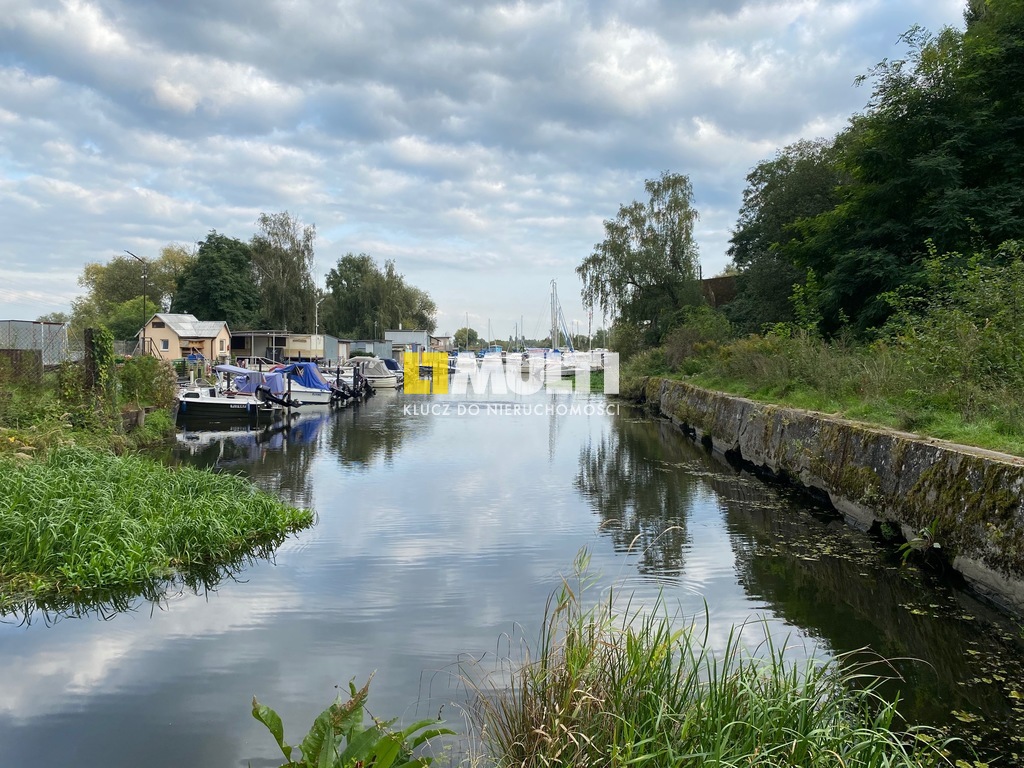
[479, 145]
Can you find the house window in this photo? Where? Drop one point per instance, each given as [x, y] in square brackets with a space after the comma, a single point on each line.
[222, 345]
[158, 324]
[165, 344]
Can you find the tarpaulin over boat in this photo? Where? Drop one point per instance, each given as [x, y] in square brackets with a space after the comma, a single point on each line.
[306, 374]
[246, 380]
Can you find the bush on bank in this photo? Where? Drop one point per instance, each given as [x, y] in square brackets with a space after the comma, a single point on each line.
[81, 515]
[949, 364]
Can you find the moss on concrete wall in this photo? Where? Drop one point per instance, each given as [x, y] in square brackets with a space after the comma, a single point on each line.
[971, 499]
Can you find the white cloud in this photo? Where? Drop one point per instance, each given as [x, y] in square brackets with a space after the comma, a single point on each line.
[456, 138]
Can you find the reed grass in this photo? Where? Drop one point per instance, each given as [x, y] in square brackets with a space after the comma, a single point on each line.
[614, 686]
[80, 520]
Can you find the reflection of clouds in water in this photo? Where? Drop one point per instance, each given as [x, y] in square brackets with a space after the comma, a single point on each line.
[449, 552]
[82, 658]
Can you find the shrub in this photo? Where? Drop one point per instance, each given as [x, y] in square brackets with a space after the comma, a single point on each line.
[147, 381]
[965, 337]
[650, 362]
[340, 739]
[702, 331]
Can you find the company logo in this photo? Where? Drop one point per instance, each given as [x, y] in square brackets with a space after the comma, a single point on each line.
[431, 373]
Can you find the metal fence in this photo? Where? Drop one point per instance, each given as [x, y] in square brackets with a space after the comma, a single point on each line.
[28, 347]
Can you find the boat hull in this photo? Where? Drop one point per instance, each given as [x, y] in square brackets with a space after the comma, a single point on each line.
[382, 382]
[309, 396]
[226, 409]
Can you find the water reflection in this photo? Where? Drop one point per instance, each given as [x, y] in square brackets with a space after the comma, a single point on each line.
[107, 604]
[281, 453]
[439, 538]
[631, 476]
[364, 435]
[960, 662]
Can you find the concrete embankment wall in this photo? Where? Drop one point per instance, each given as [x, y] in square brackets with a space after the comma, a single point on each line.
[970, 498]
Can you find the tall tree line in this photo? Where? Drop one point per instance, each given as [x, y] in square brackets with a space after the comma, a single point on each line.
[264, 283]
[936, 160]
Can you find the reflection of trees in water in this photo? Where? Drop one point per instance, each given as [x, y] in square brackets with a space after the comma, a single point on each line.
[816, 573]
[365, 433]
[633, 479]
[842, 586]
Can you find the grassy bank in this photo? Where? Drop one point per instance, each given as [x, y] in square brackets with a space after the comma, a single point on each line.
[948, 362]
[878, 383]
[78, 520]
[619, 686]
[84, 518]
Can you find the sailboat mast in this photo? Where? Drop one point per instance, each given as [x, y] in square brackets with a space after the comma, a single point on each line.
[554, 315]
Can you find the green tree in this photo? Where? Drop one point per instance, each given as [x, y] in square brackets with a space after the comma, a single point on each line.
[799, 182]
[646, 269]
[124, 320]
[364, 300]
[402, 305]
[466, 338]
[282, 259]
[120, 279]
[218, 285]
[109, 286]
[350, 308]
[938, 156]
[902, 177]
[165, 271]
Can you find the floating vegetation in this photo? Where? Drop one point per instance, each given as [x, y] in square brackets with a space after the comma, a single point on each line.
[83, 523]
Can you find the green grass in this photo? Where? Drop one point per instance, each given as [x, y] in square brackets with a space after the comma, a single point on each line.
[81, 520]
[614, 686]
[896, 412]
[876, 384]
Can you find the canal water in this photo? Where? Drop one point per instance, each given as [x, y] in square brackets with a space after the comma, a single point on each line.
[443, 524]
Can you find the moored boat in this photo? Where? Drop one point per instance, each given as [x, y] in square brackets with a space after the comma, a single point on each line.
[201, 400]
[306, 383]
[374, 372]
[393, 366]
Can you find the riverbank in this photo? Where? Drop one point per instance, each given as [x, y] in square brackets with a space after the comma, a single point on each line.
[77, 521]
[83, 515]
[961, 503]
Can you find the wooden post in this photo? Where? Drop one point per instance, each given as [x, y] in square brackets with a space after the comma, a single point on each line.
[92, 378]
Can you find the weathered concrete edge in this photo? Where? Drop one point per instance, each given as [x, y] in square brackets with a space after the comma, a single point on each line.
[874, 475]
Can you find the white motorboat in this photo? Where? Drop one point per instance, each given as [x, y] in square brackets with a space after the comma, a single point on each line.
[306, 383]
[374, 372]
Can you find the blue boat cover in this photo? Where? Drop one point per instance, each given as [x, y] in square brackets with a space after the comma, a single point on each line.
[306, 374]
[245, 380]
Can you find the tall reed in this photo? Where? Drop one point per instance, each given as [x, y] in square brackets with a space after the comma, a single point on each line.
[617, 686]
[88, 520]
